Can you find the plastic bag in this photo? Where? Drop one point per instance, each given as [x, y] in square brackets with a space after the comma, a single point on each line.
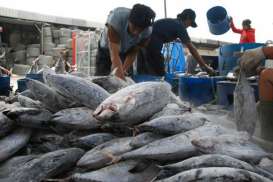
[245, 111]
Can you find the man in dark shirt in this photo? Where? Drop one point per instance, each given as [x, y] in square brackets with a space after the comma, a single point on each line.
[151, 61]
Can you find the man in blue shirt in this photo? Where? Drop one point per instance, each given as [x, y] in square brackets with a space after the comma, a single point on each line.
[150, 59]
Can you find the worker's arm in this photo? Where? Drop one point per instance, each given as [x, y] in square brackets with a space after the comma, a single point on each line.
[114, 47]
[130, 57]
[233, 28]
[198, 58]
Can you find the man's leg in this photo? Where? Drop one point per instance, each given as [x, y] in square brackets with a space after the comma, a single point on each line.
[265, 106]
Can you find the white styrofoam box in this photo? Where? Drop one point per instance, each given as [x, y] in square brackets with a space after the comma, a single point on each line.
[33, 45]
[61, 46]
[65, 32]
[46, 60]
[69, 43]
[63, 40]
[49, 52]
[33, 51]
[20, 56]
[49, 46]
[56, 33]
[47, 31]
[57, 51]
[30, 60]
[47, 40]
[20, 47]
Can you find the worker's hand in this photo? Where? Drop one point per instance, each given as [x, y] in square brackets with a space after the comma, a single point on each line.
[250, 60]
[210, 70]
[120, 73]
[230, 21]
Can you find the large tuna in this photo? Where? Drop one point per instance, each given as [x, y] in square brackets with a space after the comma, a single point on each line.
[29, 117]
[171, 125]
[79, 118]
[216, 174]
[13, 142]
[46, 166]
[176, 147]
[122, 172]
[83, 91]
[135, 103]
[52, 100]
[6, 125]
[237, 146]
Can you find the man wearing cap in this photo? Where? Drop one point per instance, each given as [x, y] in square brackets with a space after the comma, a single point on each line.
[125, 32]
[151, 61]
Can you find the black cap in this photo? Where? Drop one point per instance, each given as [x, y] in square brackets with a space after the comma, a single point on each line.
[188, 14]
[142, 16]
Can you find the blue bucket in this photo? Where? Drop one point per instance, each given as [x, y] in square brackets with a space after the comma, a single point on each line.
[198, 90]
[145, 78]
[218, 20]
[5, 85]
[228, 60]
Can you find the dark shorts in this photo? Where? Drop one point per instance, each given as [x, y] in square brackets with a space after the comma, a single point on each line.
[150, 60]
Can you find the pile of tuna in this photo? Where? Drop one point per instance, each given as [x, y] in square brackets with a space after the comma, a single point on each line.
[102, 129]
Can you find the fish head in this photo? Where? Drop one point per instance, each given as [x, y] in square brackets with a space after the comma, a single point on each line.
[106, 112]
[114, 109]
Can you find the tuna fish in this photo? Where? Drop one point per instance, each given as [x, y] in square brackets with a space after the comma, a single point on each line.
[10, 144]
[52, 100]
[105, 153]
[237, 146]
[46, 166]
[171, 125]
[76, 118]
[203, 161]
[144, 138]
[135, 103]
[28, 102]
[28, 93]
[216, 174]
[14, 163]
[122, 172]
[93, 140]
[6, 125]
[112, 83]
[245, 112]
[170, 109]
[29, 117]
[177, 147]
[83, 91]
